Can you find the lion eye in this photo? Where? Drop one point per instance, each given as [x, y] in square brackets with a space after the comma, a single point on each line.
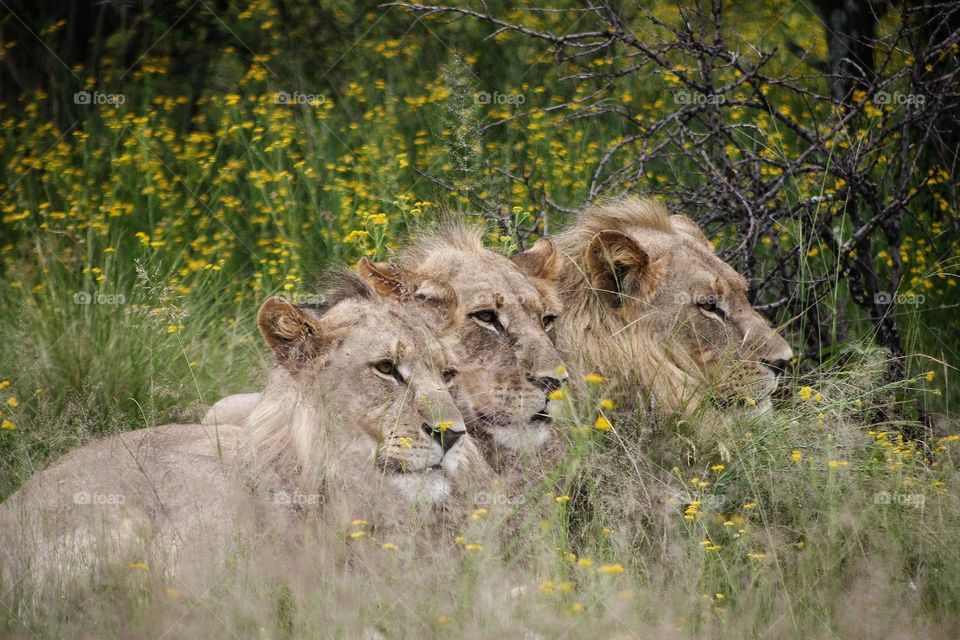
[449, 375]
[548, 321]
[488, 317]
[710, 305]
[388, 368]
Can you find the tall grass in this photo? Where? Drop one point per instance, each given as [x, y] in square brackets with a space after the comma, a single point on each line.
[138, 242]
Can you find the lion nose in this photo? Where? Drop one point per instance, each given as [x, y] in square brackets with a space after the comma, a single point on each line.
[445, 433]
[778, 366]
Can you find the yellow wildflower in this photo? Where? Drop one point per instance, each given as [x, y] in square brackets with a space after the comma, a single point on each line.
[612, 569]
[594, 378]
[602, 424]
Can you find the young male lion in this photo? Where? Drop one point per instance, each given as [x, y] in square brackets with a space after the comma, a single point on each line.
[646, 299]
[504, 327]
[359, 405]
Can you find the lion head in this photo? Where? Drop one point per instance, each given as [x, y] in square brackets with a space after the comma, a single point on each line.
[645, 296]
[507, 311]
[363, 384]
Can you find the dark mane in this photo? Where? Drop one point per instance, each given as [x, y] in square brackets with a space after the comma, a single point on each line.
[340, 284]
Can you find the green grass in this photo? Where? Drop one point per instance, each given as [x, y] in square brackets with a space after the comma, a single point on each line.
[195, 212]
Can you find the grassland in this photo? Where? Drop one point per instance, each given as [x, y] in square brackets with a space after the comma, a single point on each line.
[138, 240]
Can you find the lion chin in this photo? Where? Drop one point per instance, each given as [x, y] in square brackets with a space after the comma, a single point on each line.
[432, 485]
[426, 488]
[526, 439]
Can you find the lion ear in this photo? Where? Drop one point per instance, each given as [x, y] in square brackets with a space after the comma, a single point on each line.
[539, 261]
[292, 333]
[619, 268]
[386, 278]
[390, 280]
[689, 227]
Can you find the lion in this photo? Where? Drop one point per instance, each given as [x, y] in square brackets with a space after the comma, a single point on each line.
[509, 364]
[359, 404]
[647, 299]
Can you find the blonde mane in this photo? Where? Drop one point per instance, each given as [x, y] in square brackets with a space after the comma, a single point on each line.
[430, 250]
[649, 329]
[585, 324]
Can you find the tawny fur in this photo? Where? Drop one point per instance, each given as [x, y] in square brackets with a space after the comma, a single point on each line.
[328, 431]
[648, 325]
[504, 378]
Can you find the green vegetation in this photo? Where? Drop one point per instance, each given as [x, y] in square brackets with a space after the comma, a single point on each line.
[138, 239]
